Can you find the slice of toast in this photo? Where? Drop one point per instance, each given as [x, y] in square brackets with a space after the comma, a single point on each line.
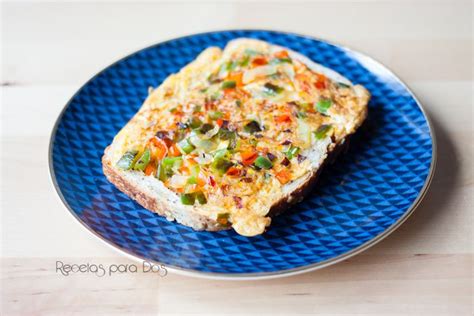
[235, 137]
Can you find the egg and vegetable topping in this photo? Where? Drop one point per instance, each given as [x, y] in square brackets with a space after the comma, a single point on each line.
[233, 130]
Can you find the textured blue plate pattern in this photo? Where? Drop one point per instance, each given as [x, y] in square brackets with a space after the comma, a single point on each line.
[360, 198]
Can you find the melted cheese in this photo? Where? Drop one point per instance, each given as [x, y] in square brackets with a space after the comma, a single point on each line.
[279, 93]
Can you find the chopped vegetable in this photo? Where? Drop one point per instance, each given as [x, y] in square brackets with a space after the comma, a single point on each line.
[323, 105]
[188, 198]
[191, 198]
[165, 135]
[185, 146]
[282, 54]
[322, 131]
[321, 83]
[301, 114]
[160, 149]
[195, 168]
[304, 132]
[213, 78]
[237, 77]
[201, 198]
[177, 181]
[238, 201]
[271, 156]
[192, 180]
[226, 134]
[170, 161]
[343, 85]
[196, 176]
[272, 89]
[201, 142]
[216, 95]
[258, 72]
[301, 158]
[292, 152]
[234, 172]
[284, 176]
[221, 165]
[305, 106]
[288, 70]
[253, 141]
[285, 162]
[223, 219]
[277, 61]
[209, 134]
[143, 161]
[244, 62]
[252, 127]
[206, 128]
[226, 68]
[220, 153]
[174, 151]
[259, 61]
[230, 84]
[160, 173]
[150, 168]
[230, 136]
[177, 136]
[214, 115]
[248, 157]
[203, 159]
[168, 165]
[126, 162]
[263, 162]
[285, 118]
[194, 122]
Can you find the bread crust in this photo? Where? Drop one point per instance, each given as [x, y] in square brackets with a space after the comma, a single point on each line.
[155, 204]
[200, 222]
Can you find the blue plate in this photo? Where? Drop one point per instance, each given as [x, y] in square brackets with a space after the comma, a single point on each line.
[361, 198]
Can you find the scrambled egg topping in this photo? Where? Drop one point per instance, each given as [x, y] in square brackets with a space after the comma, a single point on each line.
[233, 127]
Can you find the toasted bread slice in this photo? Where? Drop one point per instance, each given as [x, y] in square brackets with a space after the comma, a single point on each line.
[235, 137]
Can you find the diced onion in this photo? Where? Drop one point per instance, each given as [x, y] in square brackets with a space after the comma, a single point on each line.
[177, 181]
[262, 71]
[304, 133]
[203, 159]
[223, 145]
[288, 70]
[211, 132]
[201, 144]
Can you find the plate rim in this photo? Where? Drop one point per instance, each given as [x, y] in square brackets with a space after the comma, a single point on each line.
[254, 275]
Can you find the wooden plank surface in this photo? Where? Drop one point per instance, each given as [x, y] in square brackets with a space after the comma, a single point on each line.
[50, 49]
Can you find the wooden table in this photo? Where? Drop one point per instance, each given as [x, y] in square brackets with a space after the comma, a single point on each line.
[50, 50]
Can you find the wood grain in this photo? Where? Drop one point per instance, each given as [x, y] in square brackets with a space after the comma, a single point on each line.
[50, 49]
